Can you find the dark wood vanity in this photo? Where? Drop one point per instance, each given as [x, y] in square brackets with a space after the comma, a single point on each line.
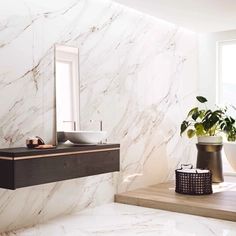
[22, 167]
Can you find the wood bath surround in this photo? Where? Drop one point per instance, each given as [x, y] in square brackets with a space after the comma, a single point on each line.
[221, 204]
[22, 167]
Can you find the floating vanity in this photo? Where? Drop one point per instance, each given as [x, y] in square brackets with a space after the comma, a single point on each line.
[22, 167]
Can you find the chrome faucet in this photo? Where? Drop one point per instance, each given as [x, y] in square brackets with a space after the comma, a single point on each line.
[100, 122]
[71, 121]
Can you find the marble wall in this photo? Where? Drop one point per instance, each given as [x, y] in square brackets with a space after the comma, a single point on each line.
[138, 75]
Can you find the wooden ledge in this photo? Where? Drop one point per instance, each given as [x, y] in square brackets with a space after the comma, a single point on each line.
[221, 204]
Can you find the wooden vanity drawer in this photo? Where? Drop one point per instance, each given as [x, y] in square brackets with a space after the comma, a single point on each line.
[33, 170]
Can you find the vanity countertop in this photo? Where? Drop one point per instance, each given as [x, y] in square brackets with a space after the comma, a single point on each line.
[14, 153]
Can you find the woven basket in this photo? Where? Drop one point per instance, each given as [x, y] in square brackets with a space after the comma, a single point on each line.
[193, 182]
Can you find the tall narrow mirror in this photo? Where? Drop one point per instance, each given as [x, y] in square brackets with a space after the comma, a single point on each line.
[67, 89]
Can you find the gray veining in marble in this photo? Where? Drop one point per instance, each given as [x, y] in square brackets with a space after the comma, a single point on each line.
[118, 219]
[138, 74]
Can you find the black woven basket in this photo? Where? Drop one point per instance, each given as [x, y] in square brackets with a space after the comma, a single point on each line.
[193, 183]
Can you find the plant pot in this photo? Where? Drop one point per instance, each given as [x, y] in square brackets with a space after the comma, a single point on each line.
[210, 139]
[209, 157]
[230, 153]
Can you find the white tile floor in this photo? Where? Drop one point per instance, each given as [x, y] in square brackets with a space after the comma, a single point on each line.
[124, 220]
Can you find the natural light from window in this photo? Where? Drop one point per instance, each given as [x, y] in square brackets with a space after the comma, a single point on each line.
[227, 73]
[227, 82]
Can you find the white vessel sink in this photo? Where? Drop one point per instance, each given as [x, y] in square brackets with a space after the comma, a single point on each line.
[86, 137]
[230, 153]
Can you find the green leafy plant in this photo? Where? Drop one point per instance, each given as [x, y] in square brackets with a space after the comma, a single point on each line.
[207, 122]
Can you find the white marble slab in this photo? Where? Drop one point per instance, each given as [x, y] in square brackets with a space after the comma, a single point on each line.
[138, 75]
[118, 219]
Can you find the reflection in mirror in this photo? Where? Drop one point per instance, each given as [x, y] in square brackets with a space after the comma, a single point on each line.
[67, 89]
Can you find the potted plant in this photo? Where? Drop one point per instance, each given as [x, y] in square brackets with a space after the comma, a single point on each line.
[208, 125]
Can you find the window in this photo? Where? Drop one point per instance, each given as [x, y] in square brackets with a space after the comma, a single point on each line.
[227, 73]
[226, 92]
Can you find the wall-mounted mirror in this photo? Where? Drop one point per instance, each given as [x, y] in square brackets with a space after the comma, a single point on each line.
[68, 101]
[67, 89]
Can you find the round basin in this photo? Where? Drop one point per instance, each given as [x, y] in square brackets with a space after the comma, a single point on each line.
[86, 137]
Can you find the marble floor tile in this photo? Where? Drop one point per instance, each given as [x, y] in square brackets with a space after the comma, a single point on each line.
[124, 220]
